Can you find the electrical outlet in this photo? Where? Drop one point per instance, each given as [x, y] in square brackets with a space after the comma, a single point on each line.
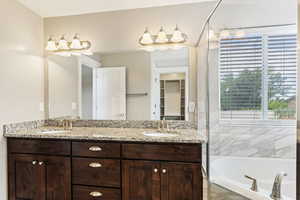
[74, 105]
[192, 106]
[42, 107]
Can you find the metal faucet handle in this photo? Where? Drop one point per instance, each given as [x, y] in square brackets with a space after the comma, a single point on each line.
[276, 190]
[254, 186]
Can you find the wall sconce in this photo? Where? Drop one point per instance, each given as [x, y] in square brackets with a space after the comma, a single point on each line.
[66, 48]
[162, 40]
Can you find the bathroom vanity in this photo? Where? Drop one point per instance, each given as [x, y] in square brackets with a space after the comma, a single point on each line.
[65, 166]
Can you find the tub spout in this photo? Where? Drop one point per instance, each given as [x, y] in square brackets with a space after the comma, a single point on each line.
[254, 183]
[276, 191]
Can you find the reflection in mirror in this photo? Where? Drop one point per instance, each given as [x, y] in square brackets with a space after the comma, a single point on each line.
[129, 85]
[172, 96]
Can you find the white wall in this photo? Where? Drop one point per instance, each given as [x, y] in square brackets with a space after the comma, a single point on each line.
[247, 13]
[21, 71]
[120, 30]
[63, 85]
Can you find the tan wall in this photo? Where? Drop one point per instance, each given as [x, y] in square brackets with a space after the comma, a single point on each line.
[21, 71]
[138, 75]
[120, 30]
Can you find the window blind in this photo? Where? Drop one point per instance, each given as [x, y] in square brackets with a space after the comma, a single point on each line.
[240, 77]
[258, 77]
[282, 73]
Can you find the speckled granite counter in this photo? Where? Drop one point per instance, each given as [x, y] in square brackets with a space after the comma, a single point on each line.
[110, 134]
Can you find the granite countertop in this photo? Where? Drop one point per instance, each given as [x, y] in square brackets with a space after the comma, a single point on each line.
[111, 134]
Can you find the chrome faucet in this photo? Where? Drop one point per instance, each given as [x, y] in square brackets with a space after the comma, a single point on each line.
[276, 191]
[67, 124]
[254, 183]
[162, 124]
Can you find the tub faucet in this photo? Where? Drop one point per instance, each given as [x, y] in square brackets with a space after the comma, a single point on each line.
[254, 183]
[276, 191]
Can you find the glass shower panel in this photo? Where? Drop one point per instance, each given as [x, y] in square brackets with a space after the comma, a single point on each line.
[202, 56]
[252, 96]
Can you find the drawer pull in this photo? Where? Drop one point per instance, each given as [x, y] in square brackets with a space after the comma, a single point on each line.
[95, 148]
[34, 162]
[95, 165]
[96, 194]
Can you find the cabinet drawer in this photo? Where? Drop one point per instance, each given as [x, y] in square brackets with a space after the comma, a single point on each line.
[167, 152]
[39, 146]
[92, 193]
[96, 172]
[92, 149]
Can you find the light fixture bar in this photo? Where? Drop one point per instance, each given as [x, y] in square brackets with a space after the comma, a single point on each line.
[64, 47]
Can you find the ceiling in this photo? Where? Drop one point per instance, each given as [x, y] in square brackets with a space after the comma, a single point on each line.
[54, 8]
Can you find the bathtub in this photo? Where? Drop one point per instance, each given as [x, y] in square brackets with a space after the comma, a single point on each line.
[229, 172]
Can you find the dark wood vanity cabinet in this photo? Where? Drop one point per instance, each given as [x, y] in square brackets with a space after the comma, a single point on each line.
[103, 170]
[148, 180]
[181, 181]
[141, 180]
[35, 177]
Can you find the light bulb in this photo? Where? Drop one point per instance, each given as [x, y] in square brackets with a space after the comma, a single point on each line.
[225, 34]
[146, 38]
[76, 43]
[162, 36]
[177, 36]
[63, 44]
[51, 45]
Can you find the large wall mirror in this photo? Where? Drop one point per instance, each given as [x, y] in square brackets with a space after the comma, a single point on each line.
[126, 85]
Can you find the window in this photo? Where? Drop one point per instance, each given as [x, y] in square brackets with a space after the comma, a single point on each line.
[258, 77]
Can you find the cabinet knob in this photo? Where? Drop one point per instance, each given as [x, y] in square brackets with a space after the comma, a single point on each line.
[41, 163]
[155, 170]
[164, 171]
[95, 165]
[95, 148]
[96, 194]
[34, 162]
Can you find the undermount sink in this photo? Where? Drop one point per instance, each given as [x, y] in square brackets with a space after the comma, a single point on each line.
[159, 134]
[54, 131]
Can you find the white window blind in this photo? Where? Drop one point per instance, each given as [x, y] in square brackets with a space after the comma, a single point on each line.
[258, 77]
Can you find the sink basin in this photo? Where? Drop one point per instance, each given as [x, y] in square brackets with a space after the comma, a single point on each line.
[54, 131]
[159, 134]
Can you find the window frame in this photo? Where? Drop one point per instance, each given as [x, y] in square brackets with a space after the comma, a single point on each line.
[264, 121]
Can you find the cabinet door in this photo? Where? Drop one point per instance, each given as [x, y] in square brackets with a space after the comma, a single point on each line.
[58, 173]
[26, 178]
[141, 180]
[181, 181]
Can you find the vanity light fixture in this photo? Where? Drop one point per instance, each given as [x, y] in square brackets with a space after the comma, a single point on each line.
[162, 41]
[51, 45]
[146, 39]
[76, 43]
[178, 36]
[161, 37]
[63, 44]
[65, 48]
